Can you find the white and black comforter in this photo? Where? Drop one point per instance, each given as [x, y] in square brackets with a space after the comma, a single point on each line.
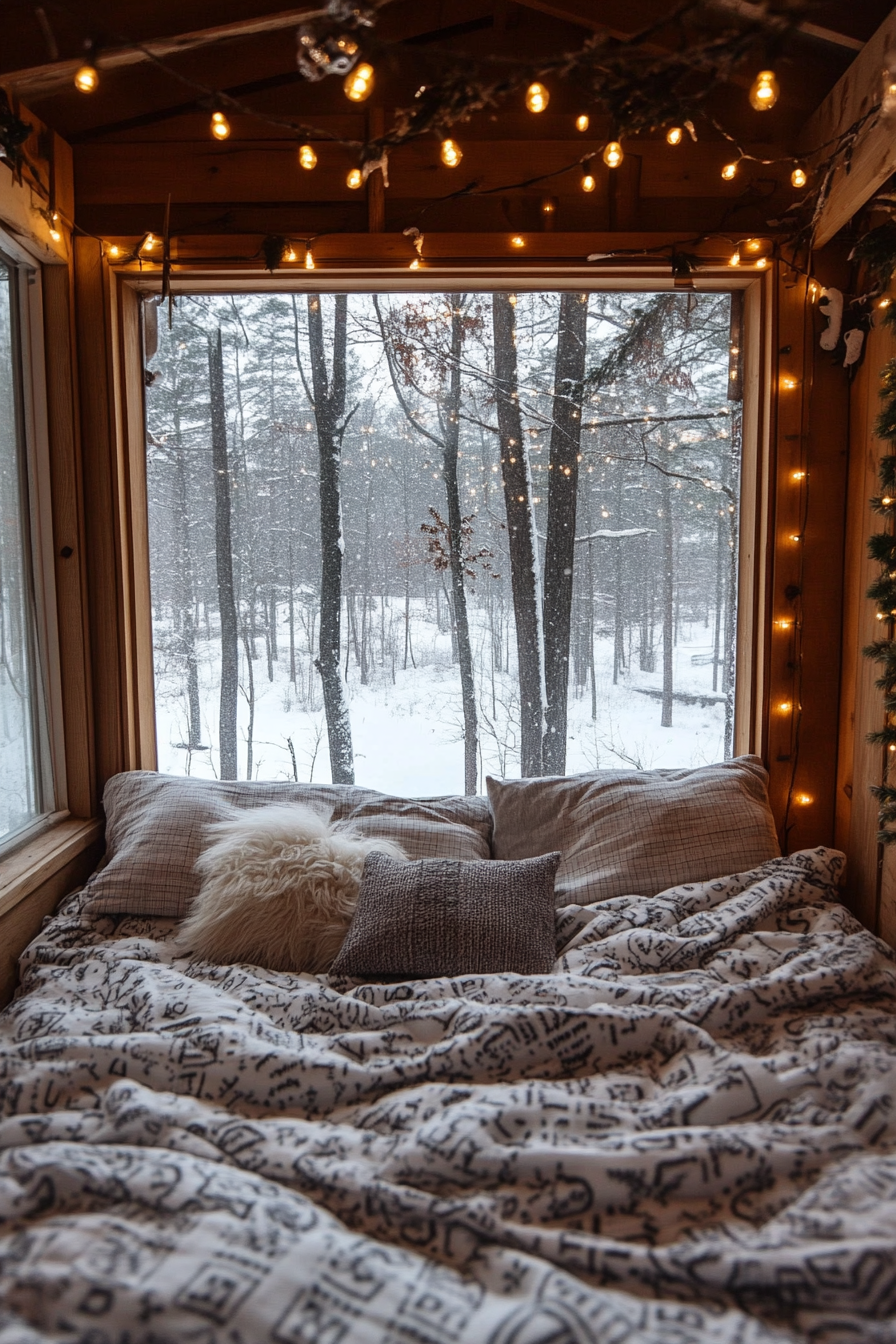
[686, 1133]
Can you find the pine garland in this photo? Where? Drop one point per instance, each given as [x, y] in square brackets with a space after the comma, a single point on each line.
[877, 251]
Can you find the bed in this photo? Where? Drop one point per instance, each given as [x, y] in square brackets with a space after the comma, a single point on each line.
[684, 1133]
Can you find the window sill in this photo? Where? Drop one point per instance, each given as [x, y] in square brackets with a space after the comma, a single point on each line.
[38, 859]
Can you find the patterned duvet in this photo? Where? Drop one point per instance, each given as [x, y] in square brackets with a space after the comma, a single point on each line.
[685, 1133]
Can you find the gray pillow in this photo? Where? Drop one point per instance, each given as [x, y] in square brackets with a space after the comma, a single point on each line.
[436, 917]
[638, 832]
[158, 825]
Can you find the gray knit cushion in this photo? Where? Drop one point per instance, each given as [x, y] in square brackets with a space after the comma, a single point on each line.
[438, 917]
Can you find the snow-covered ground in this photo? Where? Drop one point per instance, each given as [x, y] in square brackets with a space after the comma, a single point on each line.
[408, 735]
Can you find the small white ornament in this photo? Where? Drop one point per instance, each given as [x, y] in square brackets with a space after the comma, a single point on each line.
[854, 340]
[831, 306]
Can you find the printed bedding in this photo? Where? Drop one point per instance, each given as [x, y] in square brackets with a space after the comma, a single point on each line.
[685, 1133]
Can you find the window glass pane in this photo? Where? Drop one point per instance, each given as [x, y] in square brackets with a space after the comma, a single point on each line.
[20, 797]
[422, 538]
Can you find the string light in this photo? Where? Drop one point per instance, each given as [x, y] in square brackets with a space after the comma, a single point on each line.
[148, 243]
[114, 250]
[788, 382]
[86, 79]
[588, 182]
[613, 154]
[54, 231]
[729, 172]
[674, 135]
[358, 84]
[734, 259]
[309, 259]
[220, 127]
[764, 93]
[762, 263]
[583, 122]
[548, 205]
[799, 177]
[451, 153]
[798, 475]
[307, 157]
[517, 241]
[415, 264]
[884, 303]
[354, 179]
[804, 799]
[785, 706]
[289, 254]
[537, 97]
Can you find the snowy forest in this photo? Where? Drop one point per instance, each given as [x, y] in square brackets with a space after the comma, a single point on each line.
[409, 540]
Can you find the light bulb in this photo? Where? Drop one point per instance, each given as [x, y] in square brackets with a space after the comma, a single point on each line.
[149, 243]
[548, 205]
[220, 127]
[537, 97]
[762, 263]
[764, 93]
[415, 264]
[289, 254]
[451, 153]
[583, 122]
[86, 79]
[674, 135]
[307, 157]
[729, 171]
[309, 260]
[785, 706]
[798, 475]
[54, 231]
[884, 303]
[734, 259]
[358, 84]
[789, 383]
[804, 799]
[588, 182]
[354, 179]
[798, 178]
[114, 250]
[613, 154]
[517, 241]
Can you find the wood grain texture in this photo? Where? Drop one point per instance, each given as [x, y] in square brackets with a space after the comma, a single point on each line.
[874, 159]
[871, 886]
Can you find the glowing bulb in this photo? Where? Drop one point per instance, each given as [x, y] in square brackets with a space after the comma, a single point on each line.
[289, 254]
[114, 250]
[582, 122]
[86, 79]
[804, 799]
[588, 182]
[358, 84]
[307, 157]
[517, 241]
[729, 171]
[762, 263]
[734, 259]
[415, 264]
[785, 706]
[789, 383]
[613, 154]
[886, 500]
[798, 475]
[764, 93]
[674, 135]
[537, 97]
[220, 127]
[548, 205]
[799, 177]
[309, 260]
[54, 231]
[149, 243]
[354, 179]
[884, 303]
[451, 153]
[784, 624]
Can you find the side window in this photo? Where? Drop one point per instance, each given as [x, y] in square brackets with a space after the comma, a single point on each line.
[26, 785]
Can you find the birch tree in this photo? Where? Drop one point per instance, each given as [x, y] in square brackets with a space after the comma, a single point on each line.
[224, 563]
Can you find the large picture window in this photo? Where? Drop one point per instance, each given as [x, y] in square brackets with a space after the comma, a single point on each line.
[26, 791]
[412, 539]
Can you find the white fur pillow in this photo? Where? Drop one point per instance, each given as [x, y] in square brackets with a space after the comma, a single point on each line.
[279, 888]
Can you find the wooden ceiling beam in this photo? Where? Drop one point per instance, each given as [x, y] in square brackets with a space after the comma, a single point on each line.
[874, 155]
[40, 81]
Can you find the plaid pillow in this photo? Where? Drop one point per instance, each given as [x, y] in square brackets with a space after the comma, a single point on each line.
[157, 825]
[638, 832]
[437, 917]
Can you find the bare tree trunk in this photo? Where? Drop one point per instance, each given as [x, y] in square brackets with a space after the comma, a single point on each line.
[668, 600]
[456, 546]
[521, 538]
[250, 697]
[187, 598]
[224, 564]
[559, 551]
[329, 409]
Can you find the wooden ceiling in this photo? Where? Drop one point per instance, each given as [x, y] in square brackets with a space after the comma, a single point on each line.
[145, 132]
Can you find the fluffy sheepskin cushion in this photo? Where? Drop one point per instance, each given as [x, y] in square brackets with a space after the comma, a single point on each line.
[279, 888]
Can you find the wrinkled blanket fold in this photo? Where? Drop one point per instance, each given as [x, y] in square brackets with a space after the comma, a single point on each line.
[685, 1133]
